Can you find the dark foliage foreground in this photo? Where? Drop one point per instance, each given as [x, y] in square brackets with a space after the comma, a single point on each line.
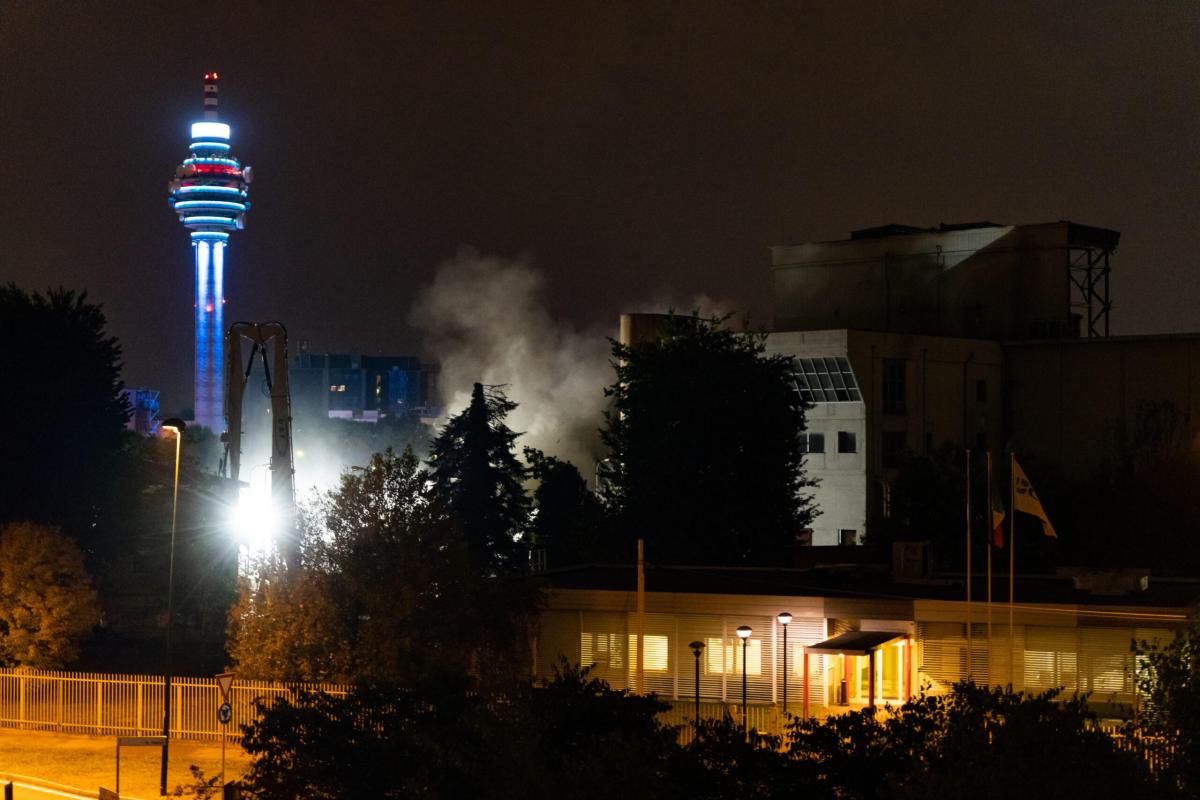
[574, 737]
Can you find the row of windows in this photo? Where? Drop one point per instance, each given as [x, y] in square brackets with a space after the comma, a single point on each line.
[847, 442]
[720, 657]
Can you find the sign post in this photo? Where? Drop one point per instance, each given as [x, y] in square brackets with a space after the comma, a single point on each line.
[224, 713]
[133, 741]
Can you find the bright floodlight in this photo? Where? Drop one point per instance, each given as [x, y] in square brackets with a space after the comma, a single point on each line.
[784, 618]
[209, 130]
[255, 519]
[745, 631]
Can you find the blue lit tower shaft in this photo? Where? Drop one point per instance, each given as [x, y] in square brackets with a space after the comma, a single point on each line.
[209, 193]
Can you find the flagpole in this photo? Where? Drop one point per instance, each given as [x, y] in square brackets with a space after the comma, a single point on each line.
[1012, 558]
[990, 543]
[969, 665]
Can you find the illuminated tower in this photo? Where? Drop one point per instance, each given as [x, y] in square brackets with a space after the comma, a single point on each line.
[209, 194]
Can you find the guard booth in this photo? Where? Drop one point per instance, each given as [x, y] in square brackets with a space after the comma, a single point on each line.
[864, 668]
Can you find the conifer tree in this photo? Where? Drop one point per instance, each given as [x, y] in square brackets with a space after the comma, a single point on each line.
[473, 466]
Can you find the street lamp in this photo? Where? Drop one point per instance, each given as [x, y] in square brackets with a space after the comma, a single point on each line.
[697, 649]
[784, 618]
[744, 632]
[177, 426]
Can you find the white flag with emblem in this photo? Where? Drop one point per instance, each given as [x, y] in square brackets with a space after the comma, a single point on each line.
[1025, 499]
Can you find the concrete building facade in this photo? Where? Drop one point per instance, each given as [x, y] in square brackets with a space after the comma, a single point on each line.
[914, 393]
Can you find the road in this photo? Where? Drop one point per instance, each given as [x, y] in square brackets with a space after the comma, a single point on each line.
[27, 788]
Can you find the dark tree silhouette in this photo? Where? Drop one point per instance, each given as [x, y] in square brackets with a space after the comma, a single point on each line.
[62, 414]
[568, 519]
[705, 456]
[1168, 676]
[474, 468]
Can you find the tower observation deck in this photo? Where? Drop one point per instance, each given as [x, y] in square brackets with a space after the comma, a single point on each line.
[209, 193]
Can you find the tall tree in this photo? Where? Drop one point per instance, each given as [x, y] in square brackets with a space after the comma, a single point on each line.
[387, 591]
[47, 603]
[476, 469]
[568, 520]
[62, 414]
[705, 455]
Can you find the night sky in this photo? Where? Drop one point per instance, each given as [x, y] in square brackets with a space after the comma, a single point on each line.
[630, 151]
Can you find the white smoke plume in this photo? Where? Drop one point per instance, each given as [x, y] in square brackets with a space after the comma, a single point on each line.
[484, 321]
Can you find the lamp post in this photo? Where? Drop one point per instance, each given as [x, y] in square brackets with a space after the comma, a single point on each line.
[744, 632]
[177, 426]
[697, 649]
[784, 618]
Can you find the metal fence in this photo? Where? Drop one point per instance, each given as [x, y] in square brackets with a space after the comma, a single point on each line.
[1156, 750]
[769, 718]
[132, 705]
[764, 717]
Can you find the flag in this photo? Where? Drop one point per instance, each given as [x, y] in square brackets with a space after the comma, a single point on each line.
[997, 514]
[1026, 499]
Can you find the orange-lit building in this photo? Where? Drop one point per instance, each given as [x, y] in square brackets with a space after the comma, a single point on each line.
[856, 637]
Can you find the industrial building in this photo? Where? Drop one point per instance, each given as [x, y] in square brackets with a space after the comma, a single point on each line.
[977, 335]
[363, 388]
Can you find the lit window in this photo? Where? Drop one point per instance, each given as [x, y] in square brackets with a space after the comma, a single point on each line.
[341, 387]
[655, 650]
[333, 387]
[728, 658]
[601, 650]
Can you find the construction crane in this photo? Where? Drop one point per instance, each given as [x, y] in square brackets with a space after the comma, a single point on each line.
[275, 372]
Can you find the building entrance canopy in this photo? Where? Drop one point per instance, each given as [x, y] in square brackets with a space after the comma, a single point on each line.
[854, 643]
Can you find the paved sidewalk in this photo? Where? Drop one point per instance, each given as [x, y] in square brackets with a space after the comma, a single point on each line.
[88, 762]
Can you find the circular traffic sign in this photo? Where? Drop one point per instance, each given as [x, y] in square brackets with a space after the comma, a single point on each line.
[224, 713]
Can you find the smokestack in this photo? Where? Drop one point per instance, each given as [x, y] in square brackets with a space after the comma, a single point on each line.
[210, 95]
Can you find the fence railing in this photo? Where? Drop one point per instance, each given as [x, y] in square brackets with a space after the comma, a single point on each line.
[769, 718]
[764, 717]
[131, 705]
[1156, 750]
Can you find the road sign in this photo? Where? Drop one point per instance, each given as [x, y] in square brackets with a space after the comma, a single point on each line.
[141, 741]
[135, 741]
[225, 683]
[224, 713]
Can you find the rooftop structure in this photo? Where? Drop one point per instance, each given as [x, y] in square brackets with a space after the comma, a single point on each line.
[977, 280]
